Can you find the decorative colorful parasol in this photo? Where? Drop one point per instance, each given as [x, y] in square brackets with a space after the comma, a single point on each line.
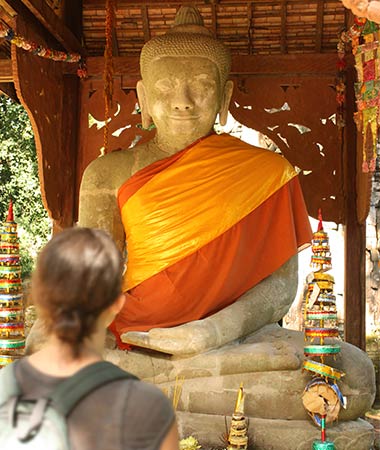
[12, 326]
[322, 397]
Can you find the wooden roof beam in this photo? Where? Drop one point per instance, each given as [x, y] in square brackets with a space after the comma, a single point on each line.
[214, 20]
[6, 75]
[311, 64]
[250, 24]
[145, 20]
[9, 90]
[99, 4]
[51, 22]
[283, 26]
[319, 26]
[8, 8]
[115, 45]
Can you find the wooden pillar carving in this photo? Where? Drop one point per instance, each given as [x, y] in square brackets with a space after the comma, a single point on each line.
[50, 98]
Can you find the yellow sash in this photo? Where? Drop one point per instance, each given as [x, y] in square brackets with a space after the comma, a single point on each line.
[205, 192]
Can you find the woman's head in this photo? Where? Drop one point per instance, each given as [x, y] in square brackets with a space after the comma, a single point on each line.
[78, 276]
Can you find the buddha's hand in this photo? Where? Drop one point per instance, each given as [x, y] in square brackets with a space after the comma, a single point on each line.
[190, 338]
[265, 303]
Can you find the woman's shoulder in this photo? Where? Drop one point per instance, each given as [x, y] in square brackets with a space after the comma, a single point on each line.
[148, 395]
[149, 412]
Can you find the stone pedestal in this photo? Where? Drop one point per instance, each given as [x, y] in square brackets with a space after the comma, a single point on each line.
[276, 434]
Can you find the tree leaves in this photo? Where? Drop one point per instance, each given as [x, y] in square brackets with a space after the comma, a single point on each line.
[19, 181]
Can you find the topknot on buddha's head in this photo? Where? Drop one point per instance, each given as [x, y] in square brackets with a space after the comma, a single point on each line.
[187, 37]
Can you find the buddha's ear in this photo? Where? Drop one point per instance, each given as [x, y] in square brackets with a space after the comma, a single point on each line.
[227, 94]
[141, 96]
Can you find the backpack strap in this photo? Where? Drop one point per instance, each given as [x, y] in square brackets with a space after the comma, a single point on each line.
[8, 383]
[71, 391]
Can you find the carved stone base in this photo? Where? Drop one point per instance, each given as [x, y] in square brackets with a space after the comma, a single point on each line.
[270, 434]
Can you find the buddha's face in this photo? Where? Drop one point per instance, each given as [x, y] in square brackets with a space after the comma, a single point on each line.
[183, 96]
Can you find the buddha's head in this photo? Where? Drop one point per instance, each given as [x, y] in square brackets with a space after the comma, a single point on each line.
[184, 79]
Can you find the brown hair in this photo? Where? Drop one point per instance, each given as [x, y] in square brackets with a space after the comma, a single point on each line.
[78, 275]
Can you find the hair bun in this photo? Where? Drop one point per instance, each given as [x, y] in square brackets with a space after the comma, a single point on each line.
[68, 326]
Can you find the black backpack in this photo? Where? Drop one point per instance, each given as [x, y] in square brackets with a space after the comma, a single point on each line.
[41, 423]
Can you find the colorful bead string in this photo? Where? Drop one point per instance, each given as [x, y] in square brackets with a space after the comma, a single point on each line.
[43, 52]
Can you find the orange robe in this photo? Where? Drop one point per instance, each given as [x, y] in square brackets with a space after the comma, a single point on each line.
[204, 226]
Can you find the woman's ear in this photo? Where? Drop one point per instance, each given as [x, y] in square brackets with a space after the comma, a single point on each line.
[227, 94]
[141, 96]
[118, 304]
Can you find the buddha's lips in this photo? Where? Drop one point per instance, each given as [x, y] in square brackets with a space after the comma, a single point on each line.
[183, 117]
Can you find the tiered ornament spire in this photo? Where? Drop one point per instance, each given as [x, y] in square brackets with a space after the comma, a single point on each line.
[238, 434]
[322, 397]
[12, 327]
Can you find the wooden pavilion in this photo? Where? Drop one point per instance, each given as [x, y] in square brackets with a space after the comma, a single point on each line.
[284, 68]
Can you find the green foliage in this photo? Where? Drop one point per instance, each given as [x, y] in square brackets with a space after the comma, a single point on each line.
[19, 181]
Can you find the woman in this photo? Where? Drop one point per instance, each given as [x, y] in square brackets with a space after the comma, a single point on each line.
[76, 288]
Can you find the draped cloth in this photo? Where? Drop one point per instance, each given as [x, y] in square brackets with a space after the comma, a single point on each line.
[204, 226]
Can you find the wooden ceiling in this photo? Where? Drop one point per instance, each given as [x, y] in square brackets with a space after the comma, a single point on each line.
[255, 27]
[259, 27]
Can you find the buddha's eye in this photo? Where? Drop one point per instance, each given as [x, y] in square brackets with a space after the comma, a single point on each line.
[204, 82]
[164, 85]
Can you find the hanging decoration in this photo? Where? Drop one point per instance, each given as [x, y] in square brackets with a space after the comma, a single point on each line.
[367, 92]
[364, 38]
[347, 37]
[108, 68]
[321, 398]
[43, 52]
[12, 326]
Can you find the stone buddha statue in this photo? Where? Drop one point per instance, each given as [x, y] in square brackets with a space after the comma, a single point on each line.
[179, 246]
[210, 227]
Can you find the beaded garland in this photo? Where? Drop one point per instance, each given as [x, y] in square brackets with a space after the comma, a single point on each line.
[43, 52]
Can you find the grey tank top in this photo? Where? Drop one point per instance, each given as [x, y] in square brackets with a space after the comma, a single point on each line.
[122, 415]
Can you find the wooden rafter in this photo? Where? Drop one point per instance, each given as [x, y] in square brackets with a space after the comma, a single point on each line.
[214, 20]
[283, 26]
[158, 3]
[319, 26]
[72, 16]
[50, 21]
[6, 71]
[314, 64]
[8, 8]
[145, 20]
[115, 45]
[9, 90]
[249, 31]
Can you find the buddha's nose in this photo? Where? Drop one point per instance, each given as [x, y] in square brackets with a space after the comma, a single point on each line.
[182, 100]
